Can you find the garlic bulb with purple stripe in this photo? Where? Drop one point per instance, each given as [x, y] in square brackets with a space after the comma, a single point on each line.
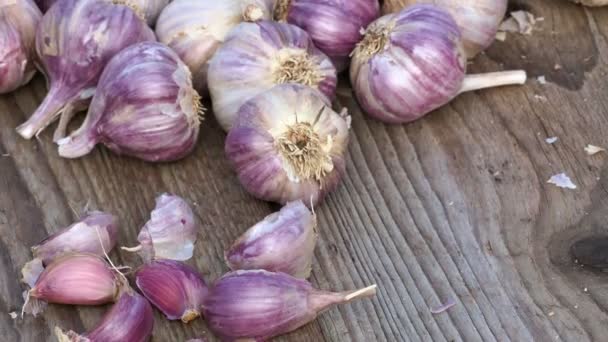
[334, 25]
[412, 62]
[18, 22]
[195, 29]
[287, 144]
[144, 106]
[257, 56]
[75, 40]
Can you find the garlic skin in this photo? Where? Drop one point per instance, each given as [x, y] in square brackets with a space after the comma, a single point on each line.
[130, 319]
[18, 22]
[144, 107]
[195, 29]
[74, 41]
[288, 144]
[478, 20]
[173, 287]
[591, 3]
[146, 9]
[282, 242]
[260, 305]
[257, 56]
[412, 62]
[170, 233]
[76, 279]
[334, 25]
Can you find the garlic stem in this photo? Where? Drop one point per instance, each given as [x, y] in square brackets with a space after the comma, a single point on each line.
[76, 145]
[492, 79]
[132, 249]
[53, 105]
[362, 293]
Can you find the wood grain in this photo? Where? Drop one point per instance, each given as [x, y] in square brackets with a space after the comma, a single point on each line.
[454, 206]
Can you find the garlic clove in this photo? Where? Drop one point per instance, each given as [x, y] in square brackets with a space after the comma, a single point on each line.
[173, 287]
[288, 144]
[159, 119]
[74, 41]
[130, 319]
[282, 242]
[170, 233]
[258, 56]
[77, 279]
[260, 305]
[333, 25]
[195, 29]
[18, 21]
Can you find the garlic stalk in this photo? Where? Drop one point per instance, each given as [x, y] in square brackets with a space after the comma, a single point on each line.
[257, 56]
[478, 20]
[258, 305]
[412, 62]
[195, 29]
[18, 22]
[144, 106]
[282, 242]
[170, 233]
[288, 144]
[130, 319]
[173, 287]
[74, 42]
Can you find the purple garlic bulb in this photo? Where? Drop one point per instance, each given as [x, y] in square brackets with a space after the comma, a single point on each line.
[287, 144]
[412, 62]
[18, 22]
[173, 287]
[95, 234]
[257, 56]
[130, 319]
[282, 242]
[478, 20]
[144, 106]
[170, 233]
[334, 25]
[75, 40]
[259, 305]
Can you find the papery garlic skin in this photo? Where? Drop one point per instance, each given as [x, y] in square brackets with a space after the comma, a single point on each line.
[130, 319]
[282, 242]
[84, 236]
[334, 25]
[144, 106]
[195, 29]
[173, 287]
[77, 279]
[288, 144]
[260, 304]
[74, 41]
[478, 20]
[257, 56]
[170, 233]
[18, 22]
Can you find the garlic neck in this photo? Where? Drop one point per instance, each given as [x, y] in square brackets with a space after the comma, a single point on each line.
[305, 155]
[296, 66]
[281, 10]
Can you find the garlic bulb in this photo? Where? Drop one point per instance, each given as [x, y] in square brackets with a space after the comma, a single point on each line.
[591, 3]
[18, 22]
[282, 242]
[195, 29]
[257, 56]
[288, 144]
[144, 106]
[170, 233]
[130, 319]
[478, 20]
[412, 62]
[175, 288]
[258, 305]
[75, 40]
[334, 25]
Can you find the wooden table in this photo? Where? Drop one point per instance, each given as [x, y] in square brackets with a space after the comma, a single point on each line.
[454, 206]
